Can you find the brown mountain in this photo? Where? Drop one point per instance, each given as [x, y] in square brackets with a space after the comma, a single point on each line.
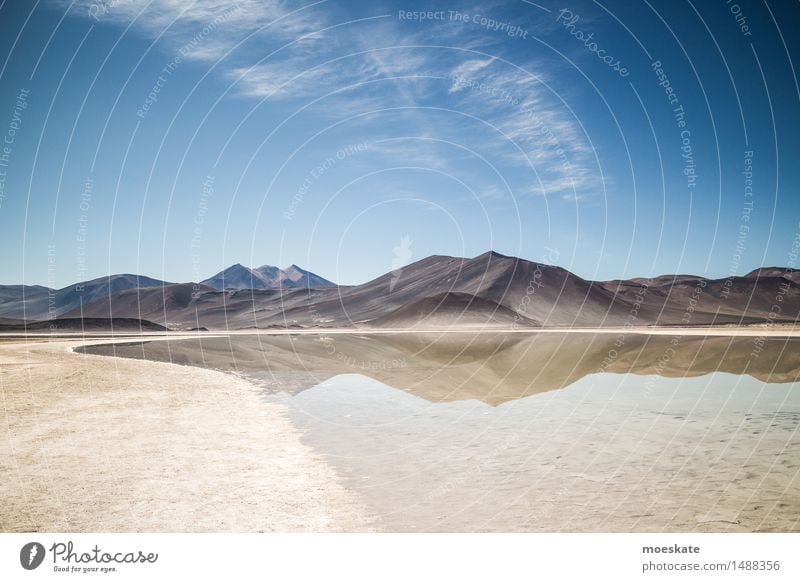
[84, 324]
[37, 303]
[452, 309]
[490, 289]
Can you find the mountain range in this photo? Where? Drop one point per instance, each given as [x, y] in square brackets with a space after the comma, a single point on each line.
[36, 302]
[487, 291]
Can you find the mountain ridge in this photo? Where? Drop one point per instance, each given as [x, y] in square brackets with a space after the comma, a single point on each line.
[489, 288]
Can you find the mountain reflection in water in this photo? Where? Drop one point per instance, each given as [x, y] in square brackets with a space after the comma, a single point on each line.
[537, 432]
[491, 367]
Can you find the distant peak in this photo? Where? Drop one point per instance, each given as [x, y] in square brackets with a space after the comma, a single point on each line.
[493, 255]
[270, 268]
[762, 272]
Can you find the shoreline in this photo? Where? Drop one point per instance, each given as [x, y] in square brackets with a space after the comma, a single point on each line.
[104, 443]
[715, 331]
[119, 445]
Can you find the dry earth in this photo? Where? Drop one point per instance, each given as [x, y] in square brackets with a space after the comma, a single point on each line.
[96, 444]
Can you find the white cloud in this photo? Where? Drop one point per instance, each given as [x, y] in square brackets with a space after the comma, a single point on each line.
[541, 133]
[467, 70]
[309, 73]
[177, 22]
[296, 59]
[279, 79]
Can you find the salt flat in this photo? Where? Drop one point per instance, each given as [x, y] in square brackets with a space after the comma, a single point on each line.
[106, 444]
[503, 431]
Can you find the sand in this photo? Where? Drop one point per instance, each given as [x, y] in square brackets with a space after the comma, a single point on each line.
[97, 444]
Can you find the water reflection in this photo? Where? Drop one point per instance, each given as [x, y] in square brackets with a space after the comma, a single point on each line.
[491, 367]
[539, 432]
[714, 453]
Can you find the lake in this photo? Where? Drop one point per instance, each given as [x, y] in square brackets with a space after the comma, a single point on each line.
[539, 431]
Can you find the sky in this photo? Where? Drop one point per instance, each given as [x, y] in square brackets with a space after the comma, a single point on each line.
[616, 139]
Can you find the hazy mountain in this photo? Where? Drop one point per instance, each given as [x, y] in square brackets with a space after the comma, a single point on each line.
[171, 305]
[265, 277]
[187, 305]
[543, 294]
[22, 301]
[749, 299]
[82, 324]
[41, 302]
[439, 291]
[451, 310]
[16, 292]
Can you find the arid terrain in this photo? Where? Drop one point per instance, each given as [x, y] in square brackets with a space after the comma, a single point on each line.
[437, 292]
[93, 444]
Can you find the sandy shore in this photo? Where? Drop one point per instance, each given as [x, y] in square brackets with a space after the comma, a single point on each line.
[92, 443]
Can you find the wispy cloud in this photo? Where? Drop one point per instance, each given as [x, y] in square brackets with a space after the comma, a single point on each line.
[375, 62]
[541, 132]
[337, 58]
[467, 71]
[177, 22]
[281, 79]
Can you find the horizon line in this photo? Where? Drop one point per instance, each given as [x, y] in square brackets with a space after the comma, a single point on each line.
[165, 282]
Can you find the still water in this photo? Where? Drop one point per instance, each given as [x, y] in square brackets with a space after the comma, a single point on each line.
[537, 432]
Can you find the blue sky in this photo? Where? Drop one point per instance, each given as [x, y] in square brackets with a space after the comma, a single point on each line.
[173, 138]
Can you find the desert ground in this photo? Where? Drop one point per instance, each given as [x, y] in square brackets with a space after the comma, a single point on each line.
[95, 444]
